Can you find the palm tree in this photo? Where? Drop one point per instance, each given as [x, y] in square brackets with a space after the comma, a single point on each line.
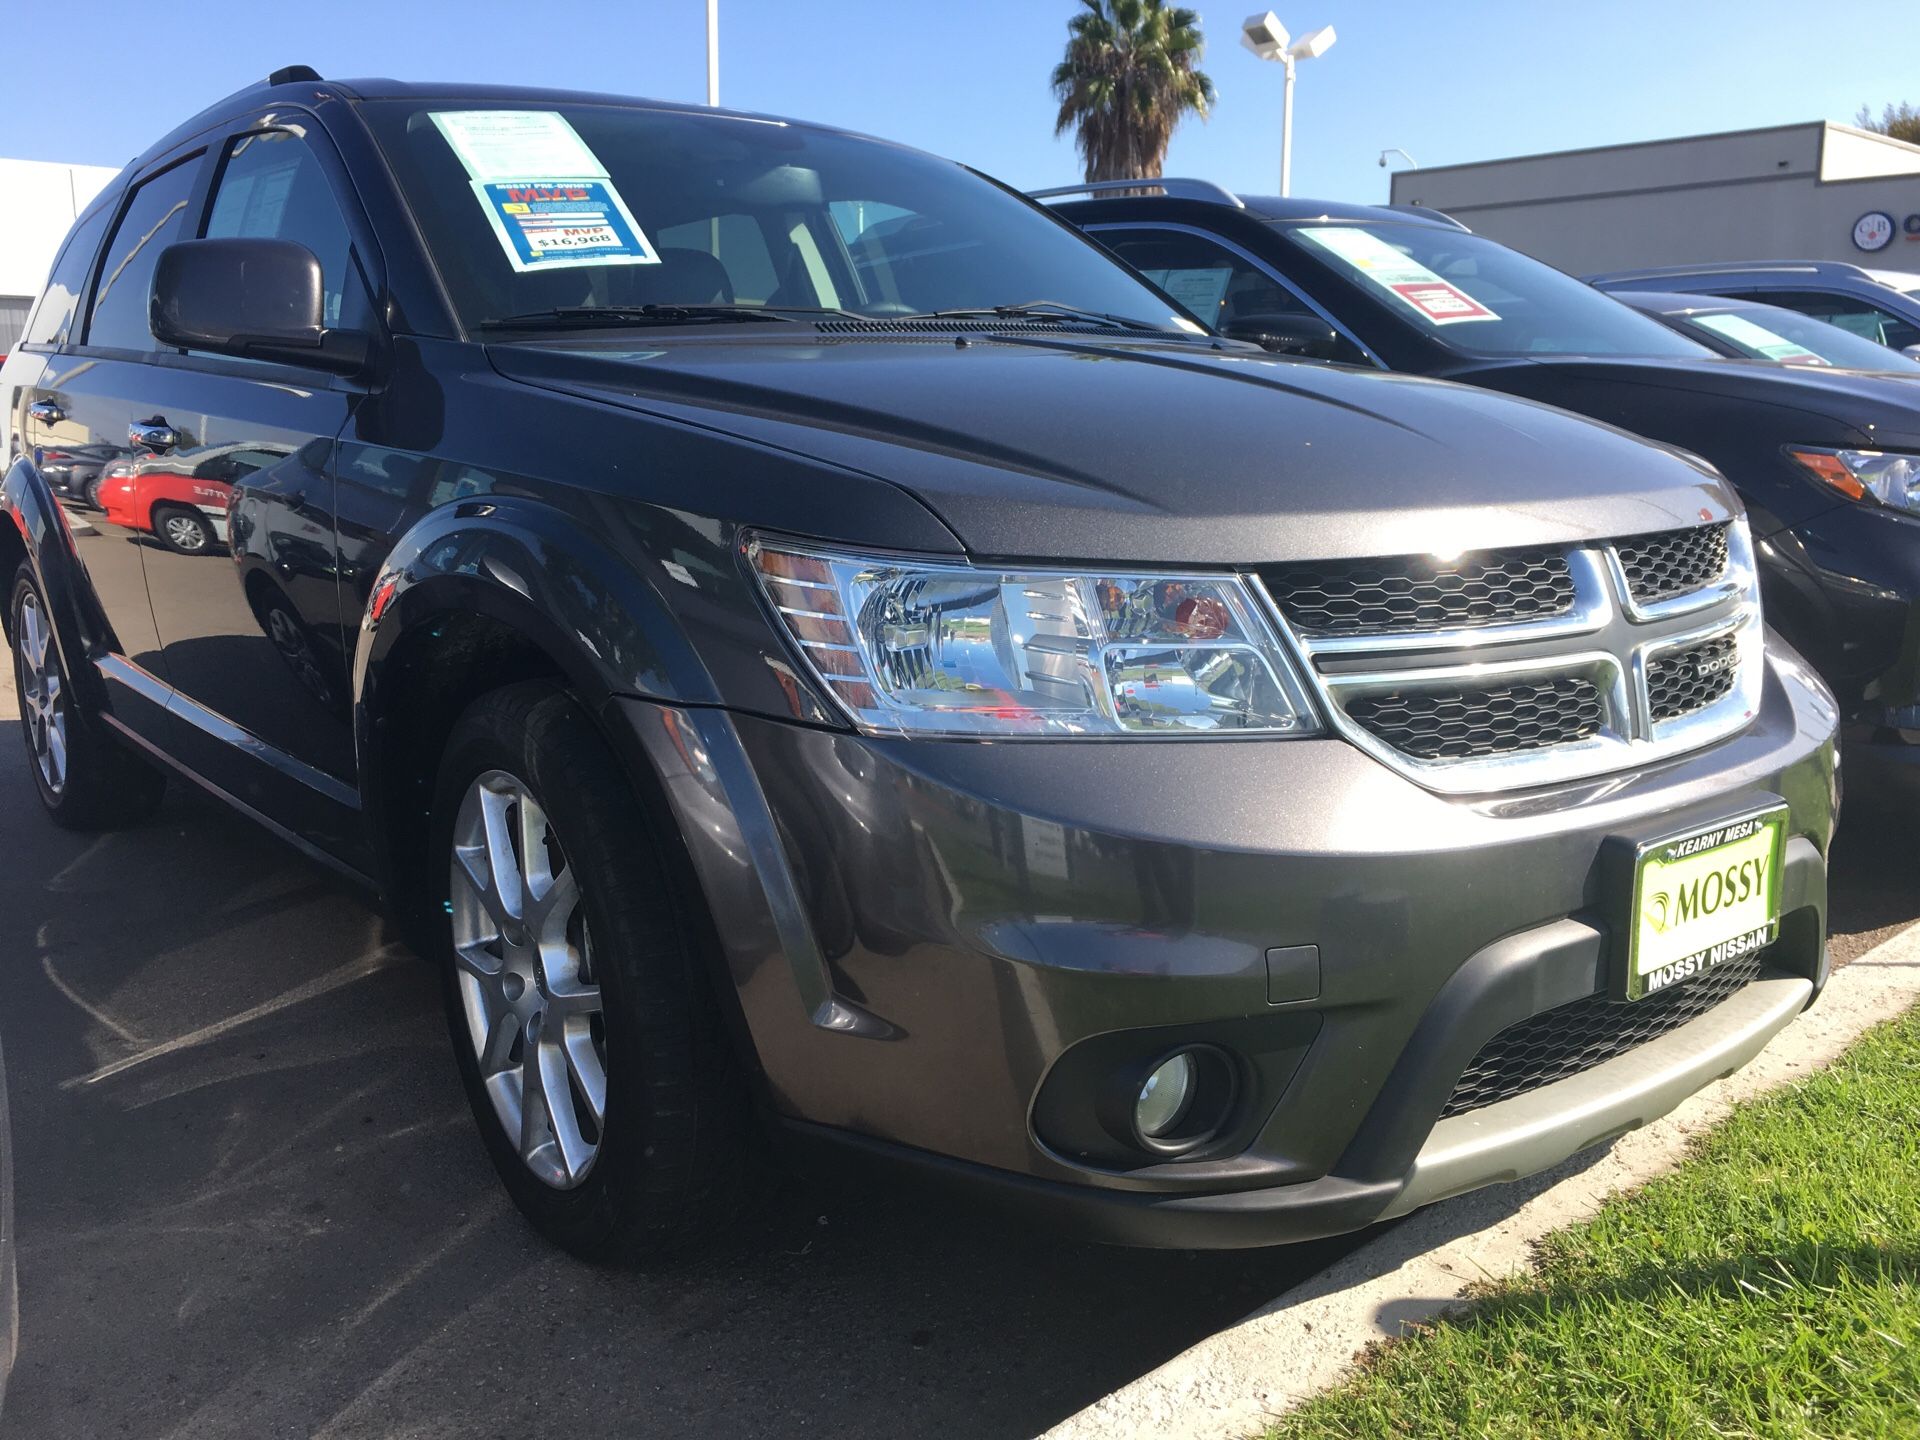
[1127, 81]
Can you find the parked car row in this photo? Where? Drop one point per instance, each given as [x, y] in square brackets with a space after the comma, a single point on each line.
[1827, 462]
[826, 658]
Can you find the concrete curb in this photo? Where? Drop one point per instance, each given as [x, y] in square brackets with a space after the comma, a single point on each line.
[1305, 1341]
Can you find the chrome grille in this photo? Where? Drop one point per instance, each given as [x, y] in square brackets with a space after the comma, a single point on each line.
[1686, 679]
[1534, 666]
[1415, 592]
[1673, 562]
[1459, 722]
[1568, 1039]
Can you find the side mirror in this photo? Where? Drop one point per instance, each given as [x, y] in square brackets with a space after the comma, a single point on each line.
[258, 299]
[1305, 335]
[1912, 352]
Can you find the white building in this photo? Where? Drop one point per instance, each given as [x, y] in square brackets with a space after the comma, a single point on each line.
[1816, 191]
[42, 201]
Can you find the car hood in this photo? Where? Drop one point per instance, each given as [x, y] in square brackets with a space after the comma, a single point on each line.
[1124, 450]
[1841, 406]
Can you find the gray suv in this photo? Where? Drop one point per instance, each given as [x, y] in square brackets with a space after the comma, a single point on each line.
[811, 648]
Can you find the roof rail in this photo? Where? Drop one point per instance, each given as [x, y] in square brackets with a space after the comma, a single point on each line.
[1427, 212]
[1173, 189]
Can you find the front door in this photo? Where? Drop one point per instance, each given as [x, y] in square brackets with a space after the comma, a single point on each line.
[230, 479]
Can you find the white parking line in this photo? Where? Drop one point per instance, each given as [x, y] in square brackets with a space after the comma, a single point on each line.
[353, 970]
[91, 1011]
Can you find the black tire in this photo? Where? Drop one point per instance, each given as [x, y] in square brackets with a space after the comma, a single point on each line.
[99, 784]
[680, 1151]
[92, 492]
[183, 530]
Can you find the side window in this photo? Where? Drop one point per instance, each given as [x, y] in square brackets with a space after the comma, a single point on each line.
[1857, 316]
[53, 319]
[155, 217]
[272, 188]
[737, 243]
[1217, 284]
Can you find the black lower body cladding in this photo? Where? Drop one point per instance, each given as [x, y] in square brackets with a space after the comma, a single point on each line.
[947, 954]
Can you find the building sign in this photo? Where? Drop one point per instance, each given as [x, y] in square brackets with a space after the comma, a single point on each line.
[1873, 231]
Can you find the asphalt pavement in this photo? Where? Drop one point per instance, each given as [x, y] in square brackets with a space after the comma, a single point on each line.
[251, 1202]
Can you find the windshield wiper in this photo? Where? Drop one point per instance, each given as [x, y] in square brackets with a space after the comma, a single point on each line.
[1046, 310]
[572, 317]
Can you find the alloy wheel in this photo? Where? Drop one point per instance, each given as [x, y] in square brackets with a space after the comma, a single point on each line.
[186, 533]
[525, 966]
[42, 693]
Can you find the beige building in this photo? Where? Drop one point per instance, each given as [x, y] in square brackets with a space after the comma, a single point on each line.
[43, 200]
[1816, 191]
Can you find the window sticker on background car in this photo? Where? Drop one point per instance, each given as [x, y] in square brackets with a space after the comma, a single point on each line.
[1758, 339]
[516, 144]
[549, 200]
[1437, 301]
[1201, 290]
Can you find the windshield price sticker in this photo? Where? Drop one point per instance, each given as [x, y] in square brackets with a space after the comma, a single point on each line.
[1758, 339]
[1436, 300]
[548, 199]
[550, 224]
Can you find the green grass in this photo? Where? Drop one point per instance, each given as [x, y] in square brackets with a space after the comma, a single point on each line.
[1770, 1287]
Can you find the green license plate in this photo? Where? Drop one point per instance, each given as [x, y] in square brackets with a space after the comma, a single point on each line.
[1704, 899]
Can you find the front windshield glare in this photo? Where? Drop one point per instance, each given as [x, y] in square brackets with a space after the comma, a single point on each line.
[530, 210]
[1481, 298]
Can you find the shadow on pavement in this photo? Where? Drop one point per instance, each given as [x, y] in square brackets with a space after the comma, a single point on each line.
[285, 1226]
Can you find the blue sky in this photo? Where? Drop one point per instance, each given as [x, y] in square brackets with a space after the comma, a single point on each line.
[1455, 81]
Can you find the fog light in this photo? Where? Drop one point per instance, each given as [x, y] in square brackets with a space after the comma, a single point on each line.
[1166, 1097]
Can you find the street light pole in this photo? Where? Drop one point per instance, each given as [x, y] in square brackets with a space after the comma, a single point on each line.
[713, 52]
[1286, 134]
[1266, 37]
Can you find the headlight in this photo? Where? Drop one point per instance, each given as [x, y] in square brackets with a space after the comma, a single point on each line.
[1878, 475]
[932, 647]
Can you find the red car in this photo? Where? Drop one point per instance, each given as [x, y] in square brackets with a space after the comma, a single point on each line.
[181, 499]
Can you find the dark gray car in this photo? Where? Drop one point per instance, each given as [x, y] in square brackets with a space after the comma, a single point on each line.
[810, 646]
[1881, 306]
[1747, 330]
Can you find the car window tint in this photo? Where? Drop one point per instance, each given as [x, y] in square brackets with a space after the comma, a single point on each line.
[1219, 285]
[737, 242]
[845, 222]
[155, 217]
[1474, 295]
[1854, 315]
[1209, 279]
[272, 188]
[53, 319]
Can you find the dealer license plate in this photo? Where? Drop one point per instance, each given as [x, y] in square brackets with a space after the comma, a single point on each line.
[1702, 900]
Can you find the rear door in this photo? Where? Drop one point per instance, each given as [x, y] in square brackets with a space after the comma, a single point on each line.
[82, 402]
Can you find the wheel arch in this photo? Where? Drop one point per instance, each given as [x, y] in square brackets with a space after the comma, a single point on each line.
[33, 528]
[478, 596]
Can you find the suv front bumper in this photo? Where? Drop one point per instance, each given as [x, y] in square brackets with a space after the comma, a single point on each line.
[941, 951]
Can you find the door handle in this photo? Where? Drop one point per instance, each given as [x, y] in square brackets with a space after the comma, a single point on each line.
[46, 412]
[155, 435]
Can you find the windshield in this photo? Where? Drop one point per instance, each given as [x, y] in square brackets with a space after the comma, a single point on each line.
[530, 210]
[1481, 298]
[1768, 332]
